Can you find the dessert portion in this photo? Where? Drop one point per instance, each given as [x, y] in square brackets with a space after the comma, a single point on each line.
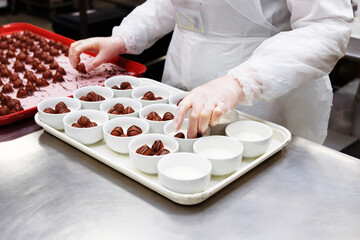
[131, 131]
[120, 109]
[59, 109]
[150, 96]
[92, 97]
[156, 149]
[123, 86]
[84, 122]
[154, 116]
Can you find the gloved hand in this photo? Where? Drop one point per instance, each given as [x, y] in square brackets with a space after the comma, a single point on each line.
[208, 103]
[106, 47]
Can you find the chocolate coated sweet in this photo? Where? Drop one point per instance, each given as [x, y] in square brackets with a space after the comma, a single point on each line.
[4, 60]
[13, 77]
[61, 70]
[83, 121]
[113, 111]
[180, 135]
[98, 98]
[163, 152]
[76, 125]
[18, 83]
[58, 45]
[22, 93]
[30, 87]
[134, 130]
[153, 116]
[117, 131]
[168, 116]
[128, 110]
[4, 71]
[54, 65]
[92, 124]
[148, 96]
[7, 88]
[4, 45]
[60, 105]
[47, 74]
[10, 54]
[40, 68]
[17, 108]
[125, 86]
[58, 78]
[119, 107]
[54, 52]
[21, 56]
[81, 68]
[12, 103]
[63, 110]
[115, 87]
[51, 42]
[41, 82]
[157, 146]
[49, 110]
[35, 64]
[19, 66]
[49, 59]
[29, 60]
[144, 150]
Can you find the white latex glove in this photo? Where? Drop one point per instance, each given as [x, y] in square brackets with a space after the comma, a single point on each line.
[106, 47]
[208, 103]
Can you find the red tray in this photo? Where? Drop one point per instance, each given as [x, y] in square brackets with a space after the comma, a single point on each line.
[134, 68]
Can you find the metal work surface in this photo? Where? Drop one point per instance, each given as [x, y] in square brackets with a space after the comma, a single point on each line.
[50, 190]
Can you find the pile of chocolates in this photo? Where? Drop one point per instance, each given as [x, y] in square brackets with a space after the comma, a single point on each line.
[59, 109]
[154, 116]
[123, 86]
[9, 105]
[156, 149]
[84, 122]
[120, 109]
[150, 96]
[132, 131]
[92, 97]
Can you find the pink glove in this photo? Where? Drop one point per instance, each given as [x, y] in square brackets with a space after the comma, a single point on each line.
[106, 47]
[208, 103]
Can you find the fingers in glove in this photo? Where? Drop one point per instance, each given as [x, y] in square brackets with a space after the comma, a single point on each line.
[181, 111]
[74, 56]
[85, 45]
[95, 62]
[205, 117]
[218, 112]
[193, 127]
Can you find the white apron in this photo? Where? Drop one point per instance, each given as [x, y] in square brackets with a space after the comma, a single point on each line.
[196, 57]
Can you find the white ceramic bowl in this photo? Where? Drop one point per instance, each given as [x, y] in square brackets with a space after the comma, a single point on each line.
[56, 120]
[117, 80]
[184, 172]
[85, 136]
[157, 126]
[224, 153]
[148, 164]
[254, 136]
[185, 144]
[175, 98]
[121, 144]
[225, 120]
[109, 103]
[103, 91]
[158, 91]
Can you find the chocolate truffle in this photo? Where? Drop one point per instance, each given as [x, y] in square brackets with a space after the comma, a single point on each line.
[10, 54]
[168, 116]
[43, 56]
[81, 68]
[83, 121]
[4, 60]
[12, 103]
[32, 78]
[7, 88]
[58, 45]
[144, 150]
[65, 50]
[13, 77]
[92, 124]
[47, 74]
[22, 93]
[54, 52]
[40, 68]
[58, 77]
[4, 45]
[29, 42]
[17, 108]
[4, 71]
[3, 38]
[5, 99]
[61, 70]
[46, 48]
[41, 82]
[19, 66]
[98, 98]
[157, 146]
[76, 125]
[49, 59]
[35, 63]
[64, 110]
[30, 87]
[84, 98]
[15, 35]
[128, 110]
[16, 44]
[117, 131]
[125, 85]
[54, 65]
[12, 48]
[33, 48]
[153, 116]
[60, 105]
[9, 40]
[163, 152]
[21, 56]
[4, 111]
[51, 42]
[23, 47]
[148, 96]
[119, 107]
[180, 135]
[36, 37]
[18, 83]
[115, 87]
[1, 83]
[114, 111]
[91, 95]
[37, 53]
[29, 60]
[134, 130]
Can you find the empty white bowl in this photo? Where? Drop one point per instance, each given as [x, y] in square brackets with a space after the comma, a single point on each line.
[185, 144]
[121, 144]
[175, 98]
[109, 103]
[254, 136]
[148, 164]
[225, 120]
[184, 172]
[158, 91]
[224, 153]
[107, 93]
[85, 136]
[117, 80]
[157, 126]
[56, 120]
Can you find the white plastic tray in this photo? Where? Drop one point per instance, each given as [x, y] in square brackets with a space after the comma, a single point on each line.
[123, 164]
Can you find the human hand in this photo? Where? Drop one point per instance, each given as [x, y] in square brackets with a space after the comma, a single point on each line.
[208, 103]
[106, 47]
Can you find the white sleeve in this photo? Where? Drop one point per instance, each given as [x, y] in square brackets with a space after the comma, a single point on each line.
[319, 37]
[146, 24]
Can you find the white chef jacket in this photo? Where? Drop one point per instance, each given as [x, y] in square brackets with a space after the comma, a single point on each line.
[281, 51]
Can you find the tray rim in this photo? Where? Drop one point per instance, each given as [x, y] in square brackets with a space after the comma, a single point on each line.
[184, 199]
[20, 26]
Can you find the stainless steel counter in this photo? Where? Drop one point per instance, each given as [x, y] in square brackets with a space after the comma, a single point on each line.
[50, 190]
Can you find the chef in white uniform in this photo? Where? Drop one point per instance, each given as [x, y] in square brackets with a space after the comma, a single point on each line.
[268, 58]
